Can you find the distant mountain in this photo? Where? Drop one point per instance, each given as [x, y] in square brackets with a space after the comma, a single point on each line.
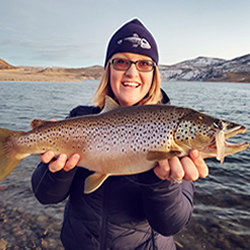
[53, 74]
[94, 72]
[5, 65]
[209, 69]
[199, 69]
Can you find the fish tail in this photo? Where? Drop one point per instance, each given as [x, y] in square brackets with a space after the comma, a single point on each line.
[8, 161]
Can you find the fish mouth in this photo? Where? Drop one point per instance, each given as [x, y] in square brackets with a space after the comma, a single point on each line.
[222, 148]
[235, 146]
[235, 131]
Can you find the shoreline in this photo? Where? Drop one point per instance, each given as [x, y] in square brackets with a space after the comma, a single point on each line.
[51, 74]
[25, 230]
[27, 224]
[73, 75]
[32, 77]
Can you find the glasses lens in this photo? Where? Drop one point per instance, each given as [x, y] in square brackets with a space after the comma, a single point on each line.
[120, 64]
[144, 65]
[124, 64]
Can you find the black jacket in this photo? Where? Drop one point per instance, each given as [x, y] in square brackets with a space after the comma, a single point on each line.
[126, 212]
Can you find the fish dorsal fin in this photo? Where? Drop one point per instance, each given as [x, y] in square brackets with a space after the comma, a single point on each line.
[110, 104]
[93, 182]
[37, 123]
[161, 155]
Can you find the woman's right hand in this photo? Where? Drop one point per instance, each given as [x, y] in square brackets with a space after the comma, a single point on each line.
[62, 162]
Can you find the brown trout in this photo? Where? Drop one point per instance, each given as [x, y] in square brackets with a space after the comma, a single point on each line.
[122, 140]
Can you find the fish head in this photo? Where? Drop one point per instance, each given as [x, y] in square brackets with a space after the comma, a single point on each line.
[208, 135]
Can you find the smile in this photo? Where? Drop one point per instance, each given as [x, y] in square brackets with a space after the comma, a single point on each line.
[131, 84]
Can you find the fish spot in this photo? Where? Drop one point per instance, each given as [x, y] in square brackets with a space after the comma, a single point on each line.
[122, 150]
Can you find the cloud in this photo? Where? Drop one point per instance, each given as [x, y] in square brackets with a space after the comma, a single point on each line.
[51, 52]
[68, 54]
[5, 28]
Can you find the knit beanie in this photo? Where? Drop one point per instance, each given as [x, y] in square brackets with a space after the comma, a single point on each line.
[132, 37]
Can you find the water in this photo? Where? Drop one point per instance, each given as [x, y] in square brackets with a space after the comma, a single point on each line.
[223, 195]
[21, 102]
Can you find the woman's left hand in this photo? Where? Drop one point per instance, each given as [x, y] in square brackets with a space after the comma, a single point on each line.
[188, 168]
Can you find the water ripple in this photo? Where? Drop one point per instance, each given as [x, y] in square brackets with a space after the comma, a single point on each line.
[225, 191]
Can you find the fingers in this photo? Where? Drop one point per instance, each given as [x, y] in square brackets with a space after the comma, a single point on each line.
[189, 168]
[169, 169]
[162, 170]
[72, 162]
[191, 172]
[58, 164]
[177, 171]
[199, 163]
[63, 162]
[47, 156]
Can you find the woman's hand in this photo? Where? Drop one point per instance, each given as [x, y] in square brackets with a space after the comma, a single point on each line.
[62, 162]
[188, 168]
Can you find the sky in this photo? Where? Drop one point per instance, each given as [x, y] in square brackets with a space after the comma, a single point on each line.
[75, 33]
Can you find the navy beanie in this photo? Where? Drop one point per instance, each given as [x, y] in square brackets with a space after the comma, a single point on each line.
[132, 37]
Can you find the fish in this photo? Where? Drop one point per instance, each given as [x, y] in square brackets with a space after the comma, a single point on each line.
[122, 140]
[136, 41]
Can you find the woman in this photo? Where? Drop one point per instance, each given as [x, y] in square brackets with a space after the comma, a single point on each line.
[140, 211]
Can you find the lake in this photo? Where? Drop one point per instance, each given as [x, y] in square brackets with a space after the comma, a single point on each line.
[224, 196]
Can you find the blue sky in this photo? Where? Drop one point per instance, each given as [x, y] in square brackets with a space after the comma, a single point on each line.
[75, 33]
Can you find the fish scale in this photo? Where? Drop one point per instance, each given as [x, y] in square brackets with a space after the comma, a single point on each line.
[134, 131]
[122, 140]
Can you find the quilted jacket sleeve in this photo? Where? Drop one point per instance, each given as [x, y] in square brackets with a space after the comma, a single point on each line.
[168, 206]
[51, 188]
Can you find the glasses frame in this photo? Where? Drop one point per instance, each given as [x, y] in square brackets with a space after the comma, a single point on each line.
[132, 62]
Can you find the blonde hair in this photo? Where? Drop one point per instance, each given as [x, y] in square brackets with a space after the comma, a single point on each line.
[154, 95]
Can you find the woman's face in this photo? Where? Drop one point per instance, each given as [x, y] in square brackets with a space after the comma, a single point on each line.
[130, 86]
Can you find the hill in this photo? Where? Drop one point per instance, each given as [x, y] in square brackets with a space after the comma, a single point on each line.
[198, 69]
[54, 74]
[209, 69]
[5, 65]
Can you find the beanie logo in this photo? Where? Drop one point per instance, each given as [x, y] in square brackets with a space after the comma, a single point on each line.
[136, 41]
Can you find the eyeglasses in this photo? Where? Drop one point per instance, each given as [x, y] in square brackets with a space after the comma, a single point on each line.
[124, 64]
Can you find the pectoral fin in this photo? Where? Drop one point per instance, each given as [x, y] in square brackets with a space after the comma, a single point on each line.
[161, 155]
[93, 182]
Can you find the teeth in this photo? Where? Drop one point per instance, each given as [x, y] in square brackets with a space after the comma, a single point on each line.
[132, 84]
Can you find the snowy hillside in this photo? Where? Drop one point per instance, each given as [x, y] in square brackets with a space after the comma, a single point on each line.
[208, 69]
